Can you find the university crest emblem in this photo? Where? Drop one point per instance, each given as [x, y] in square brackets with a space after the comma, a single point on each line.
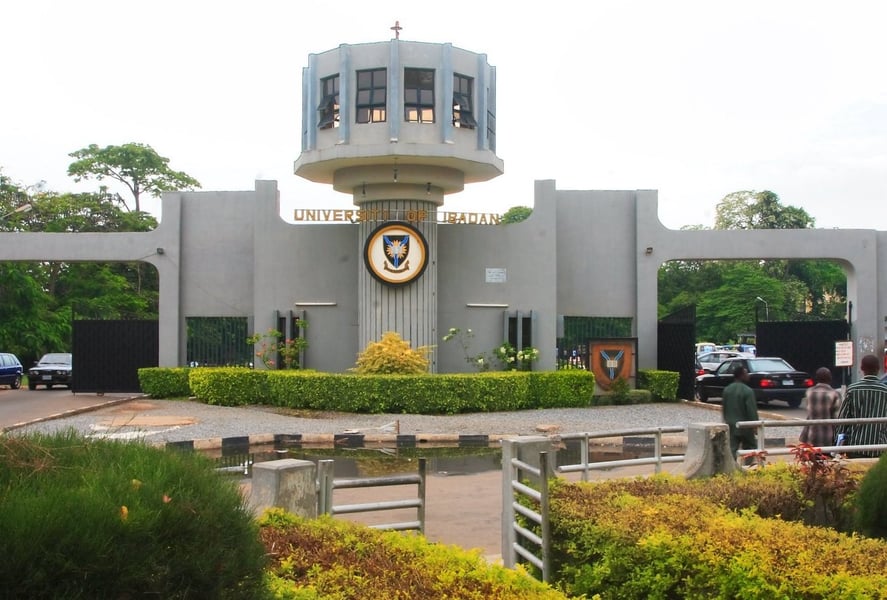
[611, 360]
[396, 253]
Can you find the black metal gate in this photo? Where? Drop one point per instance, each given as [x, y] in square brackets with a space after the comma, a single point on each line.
[108, 354]
[676, 348]
[807, 345]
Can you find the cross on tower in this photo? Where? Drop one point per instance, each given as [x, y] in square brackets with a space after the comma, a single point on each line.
[396, 29]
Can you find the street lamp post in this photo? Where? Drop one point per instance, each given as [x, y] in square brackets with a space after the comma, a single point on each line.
[766, 307]
[21, 209]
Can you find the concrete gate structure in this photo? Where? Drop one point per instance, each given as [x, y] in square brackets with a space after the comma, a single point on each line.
[582, 253]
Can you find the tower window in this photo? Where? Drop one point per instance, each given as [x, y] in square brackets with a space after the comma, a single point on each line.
[418, 95]
[372, 95]
[329, 103]
[463, 113]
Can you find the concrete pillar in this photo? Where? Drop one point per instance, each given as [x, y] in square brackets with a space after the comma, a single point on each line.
[708, 450]
[288, 483]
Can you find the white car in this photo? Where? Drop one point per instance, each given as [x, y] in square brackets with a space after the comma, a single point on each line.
[711, 360]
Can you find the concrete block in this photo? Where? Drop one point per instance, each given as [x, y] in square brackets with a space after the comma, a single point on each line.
[287, 483]
[708, 450]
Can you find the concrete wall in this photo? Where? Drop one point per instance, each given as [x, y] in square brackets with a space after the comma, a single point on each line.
[581, 253]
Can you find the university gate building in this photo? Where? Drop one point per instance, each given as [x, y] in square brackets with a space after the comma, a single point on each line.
[399, 125]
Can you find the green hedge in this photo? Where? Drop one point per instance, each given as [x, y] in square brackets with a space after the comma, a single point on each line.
[669, 538]
[415, 394]
[326, 559]
[165, 382]
[663, 385]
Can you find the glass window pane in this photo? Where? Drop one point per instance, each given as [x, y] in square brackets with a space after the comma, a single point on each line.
[428, 115]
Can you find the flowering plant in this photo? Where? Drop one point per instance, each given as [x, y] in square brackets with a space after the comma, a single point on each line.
[509, 357]
[273, 345]
[481, 362]
[514, 359]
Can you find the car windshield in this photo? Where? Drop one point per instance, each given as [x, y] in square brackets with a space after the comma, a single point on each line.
[55, 359]
[768, 365]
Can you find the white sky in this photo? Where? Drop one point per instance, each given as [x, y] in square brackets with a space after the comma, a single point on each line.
[696, 99]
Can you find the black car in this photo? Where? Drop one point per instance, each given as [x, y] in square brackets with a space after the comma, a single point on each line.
[771, 378]
[52, 369]
[10, 370]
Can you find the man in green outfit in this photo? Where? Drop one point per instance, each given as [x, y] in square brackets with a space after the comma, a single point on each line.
[738, 404]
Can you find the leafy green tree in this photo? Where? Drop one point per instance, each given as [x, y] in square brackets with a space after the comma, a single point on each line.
[137, 166]
[516, 214]
[759, 210]
[724, 292]
[730, 308]
[38, 300]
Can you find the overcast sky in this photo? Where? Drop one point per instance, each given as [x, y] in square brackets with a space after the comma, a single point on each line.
[696, 99]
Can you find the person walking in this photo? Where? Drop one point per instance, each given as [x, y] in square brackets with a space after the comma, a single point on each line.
[864, 399]
[823, 402]
[738, 404]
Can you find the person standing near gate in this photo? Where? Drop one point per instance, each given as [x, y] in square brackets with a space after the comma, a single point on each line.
[864, 399]
[738, 404]
[823, 402]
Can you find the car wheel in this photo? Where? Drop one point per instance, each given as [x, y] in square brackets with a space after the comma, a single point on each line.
[700, 395]
[32, 385]
[794, 403]
[16, 383]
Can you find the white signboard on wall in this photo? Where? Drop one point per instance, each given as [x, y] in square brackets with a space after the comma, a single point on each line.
[844, 354]
[495, 275]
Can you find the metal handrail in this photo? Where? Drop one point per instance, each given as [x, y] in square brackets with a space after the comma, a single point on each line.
[326, 484]
[657, 459]
[761, 425]
[539, 498]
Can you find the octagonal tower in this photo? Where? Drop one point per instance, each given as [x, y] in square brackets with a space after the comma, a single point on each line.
[398, 125]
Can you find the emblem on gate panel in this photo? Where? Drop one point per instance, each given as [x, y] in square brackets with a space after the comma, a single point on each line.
[610, 361]
[396, 253]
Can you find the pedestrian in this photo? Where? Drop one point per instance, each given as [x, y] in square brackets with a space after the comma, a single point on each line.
[866, 398]
[738, 404]
[823, 402]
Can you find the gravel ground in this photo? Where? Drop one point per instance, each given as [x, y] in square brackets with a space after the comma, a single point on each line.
[161, 421]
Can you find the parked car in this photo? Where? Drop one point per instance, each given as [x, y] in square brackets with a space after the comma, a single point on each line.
[703, 347]
[771, 378]
[10, 370]
[52, 369]
[710, 361]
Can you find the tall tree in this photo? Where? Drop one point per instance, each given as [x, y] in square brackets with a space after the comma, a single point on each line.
[759, 210]
[137, 166]
[37, 300]
[724, 292]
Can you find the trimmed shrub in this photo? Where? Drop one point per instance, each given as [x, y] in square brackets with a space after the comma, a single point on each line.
[665, 537]
[663, 385]
[229, 386]
[100, 519]
[871, 517]
[164, 382]
[328, 559]
[392, 355]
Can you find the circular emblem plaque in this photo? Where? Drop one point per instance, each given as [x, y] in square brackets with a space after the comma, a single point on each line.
[396, 253]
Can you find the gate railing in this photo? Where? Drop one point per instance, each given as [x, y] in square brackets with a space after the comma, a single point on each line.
[760, 426]
[326, 484]
[585, 466]
[516, 535]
